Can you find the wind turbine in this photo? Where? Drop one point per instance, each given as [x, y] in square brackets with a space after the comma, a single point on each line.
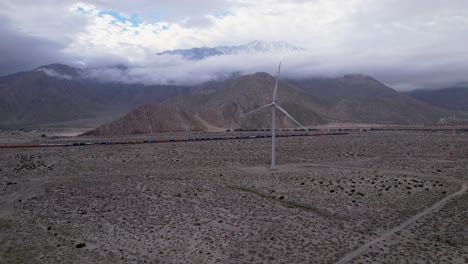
[275, 106]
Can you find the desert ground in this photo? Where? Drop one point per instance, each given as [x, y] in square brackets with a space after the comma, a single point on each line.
[364, 197]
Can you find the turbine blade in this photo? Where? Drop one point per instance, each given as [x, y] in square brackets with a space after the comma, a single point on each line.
[256, 110]
[288, 115]
[276, 85]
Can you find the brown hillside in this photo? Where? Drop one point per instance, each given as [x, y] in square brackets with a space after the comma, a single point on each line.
[221, 105]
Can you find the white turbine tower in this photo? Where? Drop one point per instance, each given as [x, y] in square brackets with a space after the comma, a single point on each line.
[275, 106]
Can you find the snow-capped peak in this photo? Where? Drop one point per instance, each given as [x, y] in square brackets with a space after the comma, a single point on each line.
[268, 46]
[248, 48]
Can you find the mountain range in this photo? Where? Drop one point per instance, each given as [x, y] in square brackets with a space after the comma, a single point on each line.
[453, 98]
[221, 105]
[359, 98]
[57, 93]
[252, 47]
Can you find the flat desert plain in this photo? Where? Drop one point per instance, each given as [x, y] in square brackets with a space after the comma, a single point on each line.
[364, 197]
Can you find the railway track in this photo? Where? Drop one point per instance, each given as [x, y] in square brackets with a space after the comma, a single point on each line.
[158, 141]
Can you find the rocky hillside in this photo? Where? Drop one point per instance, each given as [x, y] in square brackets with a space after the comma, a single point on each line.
[56, 93]
[151, 118]
[222, 105]
[360, 98]
[453, 98]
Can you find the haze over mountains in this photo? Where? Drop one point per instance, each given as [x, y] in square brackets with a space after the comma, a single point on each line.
[220, 105]
[454, 98]
[360, 98]
[223, 104]
[59, 93]
[406, 46]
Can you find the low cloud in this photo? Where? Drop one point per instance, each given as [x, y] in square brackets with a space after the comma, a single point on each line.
[405, 44]
[174, 69]
[23, 52]
[55, 74]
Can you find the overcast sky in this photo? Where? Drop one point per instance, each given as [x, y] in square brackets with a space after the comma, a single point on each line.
[404, 43]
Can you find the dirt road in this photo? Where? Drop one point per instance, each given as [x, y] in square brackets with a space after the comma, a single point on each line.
[403, 225]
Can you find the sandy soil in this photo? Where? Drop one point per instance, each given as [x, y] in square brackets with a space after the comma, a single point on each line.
[215, 202]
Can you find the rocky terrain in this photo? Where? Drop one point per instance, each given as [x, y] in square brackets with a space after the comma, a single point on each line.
[215, 201]
[221, 105]
[453, 98]
[59, 93]
[360, 98]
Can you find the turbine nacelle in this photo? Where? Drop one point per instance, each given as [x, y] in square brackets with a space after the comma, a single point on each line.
[275, 105]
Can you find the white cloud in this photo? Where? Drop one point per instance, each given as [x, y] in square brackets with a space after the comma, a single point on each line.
[403, 43]
[55, 74]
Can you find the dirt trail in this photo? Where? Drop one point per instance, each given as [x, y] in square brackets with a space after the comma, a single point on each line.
[350, 256]
[353, 254]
